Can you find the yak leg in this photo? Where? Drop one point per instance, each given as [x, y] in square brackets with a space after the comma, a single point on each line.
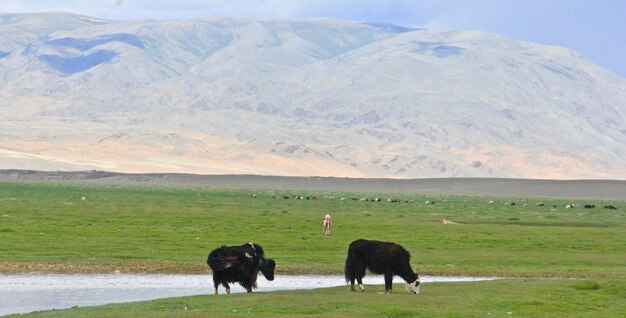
[361, 286]
[388, 282]
[360, 273]
[227, 287]
[247, 286]
[216, 283]
[352, 283]
[357, 273]
[352, 278]
[350, 275]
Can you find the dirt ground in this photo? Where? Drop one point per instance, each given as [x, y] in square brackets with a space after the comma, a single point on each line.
[7, 267]
[597, 189]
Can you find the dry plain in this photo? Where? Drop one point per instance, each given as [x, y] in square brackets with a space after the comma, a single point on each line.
[593, 189]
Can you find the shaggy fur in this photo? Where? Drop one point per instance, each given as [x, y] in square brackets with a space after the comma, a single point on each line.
[384, 258]
[240, 264]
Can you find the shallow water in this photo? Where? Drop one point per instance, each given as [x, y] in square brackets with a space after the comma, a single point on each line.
[30, 292]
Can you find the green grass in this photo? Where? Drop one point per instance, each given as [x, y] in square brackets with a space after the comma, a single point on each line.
[48, 227]
[173, 230]
[501, 298]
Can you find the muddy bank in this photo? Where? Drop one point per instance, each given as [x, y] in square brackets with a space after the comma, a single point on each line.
[13, 267]
[598, 189]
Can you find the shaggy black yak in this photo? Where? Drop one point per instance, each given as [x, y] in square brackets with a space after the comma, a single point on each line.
[239, 264]
[384, 258]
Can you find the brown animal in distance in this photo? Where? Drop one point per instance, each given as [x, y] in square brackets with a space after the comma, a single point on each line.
[326, 223]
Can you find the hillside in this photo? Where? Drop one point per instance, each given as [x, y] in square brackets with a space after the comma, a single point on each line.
[301, 98]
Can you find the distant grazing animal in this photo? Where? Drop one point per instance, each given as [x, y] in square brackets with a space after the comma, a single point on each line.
[590, 206]
[239, 264]
[327, 221]
[446, 221]
[539, 204]
[384, 258]
[610, 206]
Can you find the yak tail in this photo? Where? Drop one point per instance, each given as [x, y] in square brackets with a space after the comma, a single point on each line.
[349, 271]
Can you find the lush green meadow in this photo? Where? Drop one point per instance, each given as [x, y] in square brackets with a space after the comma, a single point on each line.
[48, 227]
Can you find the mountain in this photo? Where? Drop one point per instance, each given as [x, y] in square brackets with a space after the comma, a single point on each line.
[301, 97]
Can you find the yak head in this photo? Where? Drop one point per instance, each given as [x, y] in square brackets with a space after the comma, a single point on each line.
[414, 287]
[267, 268]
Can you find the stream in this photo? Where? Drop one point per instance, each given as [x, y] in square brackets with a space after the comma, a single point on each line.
[22, 293]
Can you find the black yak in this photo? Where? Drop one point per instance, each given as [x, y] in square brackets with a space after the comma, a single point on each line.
[384, 258]
[239, 264]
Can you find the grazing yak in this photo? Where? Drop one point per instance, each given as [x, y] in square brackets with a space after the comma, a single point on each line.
[239, 264]
[384, 258]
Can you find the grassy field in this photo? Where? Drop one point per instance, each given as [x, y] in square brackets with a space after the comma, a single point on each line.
[501, 298]
[50, 228]
[46, 227]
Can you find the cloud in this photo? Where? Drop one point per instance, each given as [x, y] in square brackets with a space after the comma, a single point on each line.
[403, 12]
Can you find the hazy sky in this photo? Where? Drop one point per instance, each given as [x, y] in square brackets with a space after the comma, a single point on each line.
[594, 28]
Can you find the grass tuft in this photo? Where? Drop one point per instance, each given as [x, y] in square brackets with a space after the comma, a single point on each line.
[587, 285]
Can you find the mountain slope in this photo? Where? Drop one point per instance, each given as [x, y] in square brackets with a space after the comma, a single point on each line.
[314, 97]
